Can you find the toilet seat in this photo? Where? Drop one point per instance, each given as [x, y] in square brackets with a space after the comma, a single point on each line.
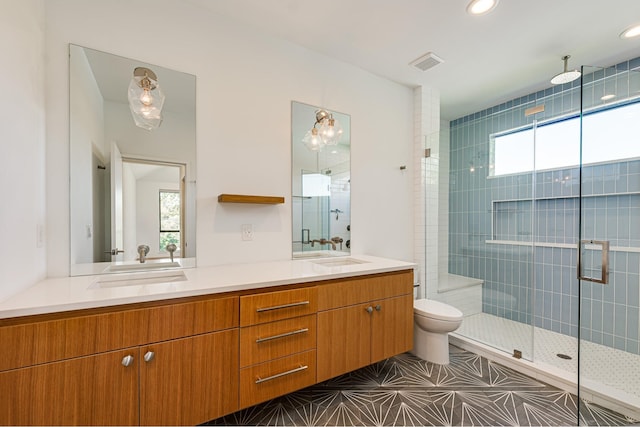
[436, 310]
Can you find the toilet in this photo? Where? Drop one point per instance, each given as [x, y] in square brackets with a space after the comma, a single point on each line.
[433, 320]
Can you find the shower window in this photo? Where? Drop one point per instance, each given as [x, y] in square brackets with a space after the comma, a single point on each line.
[609, 134]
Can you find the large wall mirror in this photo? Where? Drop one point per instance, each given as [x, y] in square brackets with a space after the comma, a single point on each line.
[132, 166]
[321, 181]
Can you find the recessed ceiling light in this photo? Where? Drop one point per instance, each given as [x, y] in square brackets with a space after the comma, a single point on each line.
[480, 7]
[630, 32]
[607, 97]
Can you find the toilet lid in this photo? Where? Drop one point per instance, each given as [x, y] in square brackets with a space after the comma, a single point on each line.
[436, 310]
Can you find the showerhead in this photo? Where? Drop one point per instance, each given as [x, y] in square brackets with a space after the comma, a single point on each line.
[567, 75]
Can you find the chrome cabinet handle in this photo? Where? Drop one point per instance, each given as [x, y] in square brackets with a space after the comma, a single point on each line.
[378, 307]
[127, 360]
[278, 307]
[369, 309]
[148, 356]
[286, 334]
[282, 374]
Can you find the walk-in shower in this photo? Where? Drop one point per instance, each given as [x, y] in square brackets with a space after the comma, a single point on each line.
[538, 186]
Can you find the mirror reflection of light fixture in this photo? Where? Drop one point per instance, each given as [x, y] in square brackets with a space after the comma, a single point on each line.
[328, 133]
[145, 98]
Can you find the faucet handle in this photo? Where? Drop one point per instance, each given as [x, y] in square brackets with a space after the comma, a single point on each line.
[143, 248]
[171, 248]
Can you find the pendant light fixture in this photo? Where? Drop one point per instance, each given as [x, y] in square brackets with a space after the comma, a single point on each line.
[145, 99]
[328, 132]
[567, 75]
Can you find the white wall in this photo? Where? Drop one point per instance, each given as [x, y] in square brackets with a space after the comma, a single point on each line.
[246, 82]
[22, 135]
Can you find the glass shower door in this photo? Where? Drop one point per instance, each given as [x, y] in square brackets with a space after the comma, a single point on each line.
[609, 242]
[492, 228]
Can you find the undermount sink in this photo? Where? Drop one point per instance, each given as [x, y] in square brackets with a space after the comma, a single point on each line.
[138, 266]
[133, 279]
[337, 262]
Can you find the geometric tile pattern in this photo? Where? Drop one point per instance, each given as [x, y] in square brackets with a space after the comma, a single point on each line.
[407, 391]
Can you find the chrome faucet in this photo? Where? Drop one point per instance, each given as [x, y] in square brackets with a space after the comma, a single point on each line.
[171, 248]
[336, 240]
[143, 250]
[324, 241]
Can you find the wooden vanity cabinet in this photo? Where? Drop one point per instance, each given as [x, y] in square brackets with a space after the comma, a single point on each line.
[277, 343]
[188, 379]
[90, 390]
[188, 361]
[363, 320]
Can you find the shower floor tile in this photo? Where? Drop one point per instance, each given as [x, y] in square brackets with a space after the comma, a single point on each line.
[604, 365]
[407, 391]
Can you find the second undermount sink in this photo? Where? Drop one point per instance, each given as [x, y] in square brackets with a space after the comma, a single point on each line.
[337, 262]
[133, 279]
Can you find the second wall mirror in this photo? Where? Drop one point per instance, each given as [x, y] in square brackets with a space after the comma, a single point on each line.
[321, 181]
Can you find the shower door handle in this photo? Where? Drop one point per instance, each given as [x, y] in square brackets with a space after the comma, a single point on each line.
[604, 266]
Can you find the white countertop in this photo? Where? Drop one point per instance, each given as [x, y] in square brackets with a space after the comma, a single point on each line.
[80, 292]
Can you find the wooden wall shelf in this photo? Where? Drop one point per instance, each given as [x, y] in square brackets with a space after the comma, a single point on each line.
[241, 198]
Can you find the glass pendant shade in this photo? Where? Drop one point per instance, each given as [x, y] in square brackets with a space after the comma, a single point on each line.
[312, 140]
[145, 99]
[330, 131]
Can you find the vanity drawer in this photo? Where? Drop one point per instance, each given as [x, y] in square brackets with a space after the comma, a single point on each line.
[262, 382]
[272, 306]
[269, 341]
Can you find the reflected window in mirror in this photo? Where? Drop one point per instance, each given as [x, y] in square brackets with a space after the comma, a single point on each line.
[321, 181]
[118, 169]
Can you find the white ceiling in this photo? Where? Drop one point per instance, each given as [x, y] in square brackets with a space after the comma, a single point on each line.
[510, 52]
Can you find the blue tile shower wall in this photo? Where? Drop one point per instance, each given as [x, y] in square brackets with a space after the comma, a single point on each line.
[537, 284]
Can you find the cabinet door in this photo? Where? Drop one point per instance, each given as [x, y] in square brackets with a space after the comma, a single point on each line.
[392, 327]
[92, 390]
[344, 337]
[189, 381]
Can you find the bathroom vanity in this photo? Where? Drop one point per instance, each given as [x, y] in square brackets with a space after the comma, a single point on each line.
[183, 353]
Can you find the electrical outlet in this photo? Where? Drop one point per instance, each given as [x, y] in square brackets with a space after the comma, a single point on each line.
[247, 232]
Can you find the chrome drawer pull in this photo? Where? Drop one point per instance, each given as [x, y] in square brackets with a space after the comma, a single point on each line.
[278, 307]
[282, 374]
[286, 334]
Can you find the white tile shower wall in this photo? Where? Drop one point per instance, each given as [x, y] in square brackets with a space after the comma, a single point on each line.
[339, 222]
[537, 283]
[426, 124]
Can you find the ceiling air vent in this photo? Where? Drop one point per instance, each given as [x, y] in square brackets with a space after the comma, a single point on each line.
[426, 61]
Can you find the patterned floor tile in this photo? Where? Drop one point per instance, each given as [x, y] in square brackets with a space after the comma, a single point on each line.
[407, 391]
